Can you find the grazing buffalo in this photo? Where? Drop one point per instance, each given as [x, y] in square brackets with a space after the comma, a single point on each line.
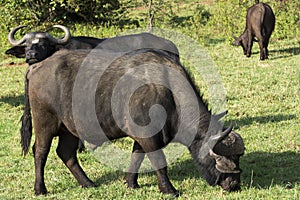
[260, 22]
[56, 110]
[37, 46]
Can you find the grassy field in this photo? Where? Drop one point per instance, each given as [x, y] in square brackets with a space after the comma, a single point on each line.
[263, 100]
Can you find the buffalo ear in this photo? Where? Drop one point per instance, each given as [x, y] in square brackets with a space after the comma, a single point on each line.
[223, 164]
[17, 51]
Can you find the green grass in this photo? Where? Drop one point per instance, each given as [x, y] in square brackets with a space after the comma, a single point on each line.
[263, 100]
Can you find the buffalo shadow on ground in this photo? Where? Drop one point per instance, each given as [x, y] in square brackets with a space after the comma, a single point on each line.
[14, 101]
[261, 170]
[266, 169]
[282, 53]
[291, 50]
[244, 121]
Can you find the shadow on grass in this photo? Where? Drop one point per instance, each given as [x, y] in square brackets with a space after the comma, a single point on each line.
[261, 170]
[264, 169]
[291, 50]
[214, 41]
[282, 53]
[263, 119]
[14, 101]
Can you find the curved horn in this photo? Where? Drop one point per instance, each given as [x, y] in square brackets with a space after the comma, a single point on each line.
[211, 141]
[220, 115]
[11, 36]
[231, 145]
[237, 40]
[234, 36]
[65, 39]
[222, 135]
[223, 164]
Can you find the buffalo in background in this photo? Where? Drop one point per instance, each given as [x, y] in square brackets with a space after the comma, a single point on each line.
[37, 46]
[260, 23]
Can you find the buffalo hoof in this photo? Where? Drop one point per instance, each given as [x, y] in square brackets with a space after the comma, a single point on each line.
[40, 190]
[169, 190]
[133, 185]
[131, 180]
[88, 184]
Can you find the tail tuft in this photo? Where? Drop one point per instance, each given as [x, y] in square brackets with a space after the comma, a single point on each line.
[26, 129]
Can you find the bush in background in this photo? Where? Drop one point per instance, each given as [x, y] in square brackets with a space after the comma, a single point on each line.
[202, 20]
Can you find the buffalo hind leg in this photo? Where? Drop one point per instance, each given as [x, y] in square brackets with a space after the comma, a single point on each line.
[45, 127]
[159, 163]
[41, 150]
[261, 43]
[137, 158]
[266, 44]
[67, 151]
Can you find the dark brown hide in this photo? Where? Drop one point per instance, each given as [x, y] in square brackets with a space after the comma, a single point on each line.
[51, 90]
[260, 23]
[37, 46]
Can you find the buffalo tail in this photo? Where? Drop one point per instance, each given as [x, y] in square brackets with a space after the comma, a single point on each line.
[26, 129]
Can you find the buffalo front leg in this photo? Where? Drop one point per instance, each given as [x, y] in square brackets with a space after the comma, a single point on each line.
[159, 164]
[137, 158]
[67, 151]
[250, 44]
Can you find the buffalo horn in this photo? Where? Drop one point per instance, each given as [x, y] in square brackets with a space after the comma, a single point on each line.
[220, 115]
[11, 36]
[221, 136]
[232, 145]
[234, 37]
[237, 40]
[211, 141]
[223, 164]
[65, 39]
